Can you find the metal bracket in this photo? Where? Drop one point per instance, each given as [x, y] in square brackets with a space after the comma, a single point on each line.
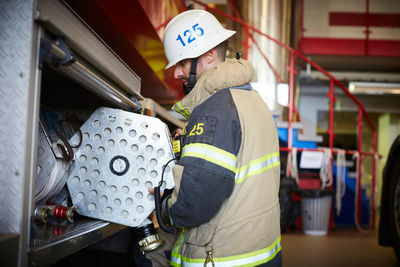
[45, 47]
[69, 59]
[136, 101]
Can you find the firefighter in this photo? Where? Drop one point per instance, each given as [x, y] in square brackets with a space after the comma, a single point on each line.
[225, 203]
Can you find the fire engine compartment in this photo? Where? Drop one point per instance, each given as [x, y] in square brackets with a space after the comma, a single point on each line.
[38, 74]
[74, 89]
[58, 238]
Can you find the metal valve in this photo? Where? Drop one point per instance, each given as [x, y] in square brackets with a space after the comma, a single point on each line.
[149, 238]
[42, 212]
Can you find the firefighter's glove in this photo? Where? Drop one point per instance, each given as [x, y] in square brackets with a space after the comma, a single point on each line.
[165, 205]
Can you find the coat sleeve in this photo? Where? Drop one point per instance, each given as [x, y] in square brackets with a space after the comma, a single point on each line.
[212, 142]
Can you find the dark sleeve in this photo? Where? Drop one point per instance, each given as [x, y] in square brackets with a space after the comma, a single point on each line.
[212, 141]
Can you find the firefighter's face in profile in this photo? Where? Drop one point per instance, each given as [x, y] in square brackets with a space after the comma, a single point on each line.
[204, 63]
[182, 70]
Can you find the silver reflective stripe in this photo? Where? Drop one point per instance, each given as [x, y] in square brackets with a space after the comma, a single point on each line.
[212, 154]
[175, 261]
[248, 259]
[257, 166]
[228, 160]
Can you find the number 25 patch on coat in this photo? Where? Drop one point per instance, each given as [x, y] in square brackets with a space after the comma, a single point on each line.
[202, 130]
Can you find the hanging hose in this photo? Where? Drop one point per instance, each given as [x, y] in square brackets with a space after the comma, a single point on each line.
[292, 164]
[325, 172]
[376, 156]
[340, 179]
[356, 223]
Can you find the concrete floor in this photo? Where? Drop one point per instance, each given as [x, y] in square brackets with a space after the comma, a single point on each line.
[340, 248]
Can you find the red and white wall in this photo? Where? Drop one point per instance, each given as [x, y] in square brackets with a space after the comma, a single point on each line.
[351, 27]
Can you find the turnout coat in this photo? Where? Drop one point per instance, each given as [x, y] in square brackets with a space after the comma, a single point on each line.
[225, 202]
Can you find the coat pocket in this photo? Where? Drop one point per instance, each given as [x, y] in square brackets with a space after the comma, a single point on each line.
[201, 235]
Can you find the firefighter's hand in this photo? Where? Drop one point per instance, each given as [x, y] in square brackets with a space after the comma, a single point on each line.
[176, 132]
[151, 191]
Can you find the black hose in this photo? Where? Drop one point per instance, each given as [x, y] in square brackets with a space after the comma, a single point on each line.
[157, 200]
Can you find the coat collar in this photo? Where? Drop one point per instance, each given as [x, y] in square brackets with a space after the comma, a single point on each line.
[229, 73]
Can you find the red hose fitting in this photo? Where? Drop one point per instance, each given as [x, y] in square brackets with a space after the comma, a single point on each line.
[58, 211]
[63, 212]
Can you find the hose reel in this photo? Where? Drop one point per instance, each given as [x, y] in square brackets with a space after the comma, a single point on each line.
[121, 156]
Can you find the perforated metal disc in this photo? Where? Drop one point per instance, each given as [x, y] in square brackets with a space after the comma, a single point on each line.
[121, 156]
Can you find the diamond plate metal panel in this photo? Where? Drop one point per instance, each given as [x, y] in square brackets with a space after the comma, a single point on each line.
[16, 37]
[121, 156]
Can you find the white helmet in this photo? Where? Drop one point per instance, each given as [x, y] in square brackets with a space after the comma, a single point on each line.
[192, 33]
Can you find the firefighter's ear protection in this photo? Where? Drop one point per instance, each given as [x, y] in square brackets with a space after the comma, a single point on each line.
[192, 77]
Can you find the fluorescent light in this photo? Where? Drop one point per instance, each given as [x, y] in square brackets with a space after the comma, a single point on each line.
[374, 88]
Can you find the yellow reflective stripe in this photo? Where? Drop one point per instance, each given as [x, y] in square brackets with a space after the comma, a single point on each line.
[212, 154]
[229, 161]
[179, 243]
[176, 258]
[257, 166]
[248, 259]
[213, 148]
[179, 108]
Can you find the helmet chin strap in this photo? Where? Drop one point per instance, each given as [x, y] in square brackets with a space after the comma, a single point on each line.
[192, 77]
